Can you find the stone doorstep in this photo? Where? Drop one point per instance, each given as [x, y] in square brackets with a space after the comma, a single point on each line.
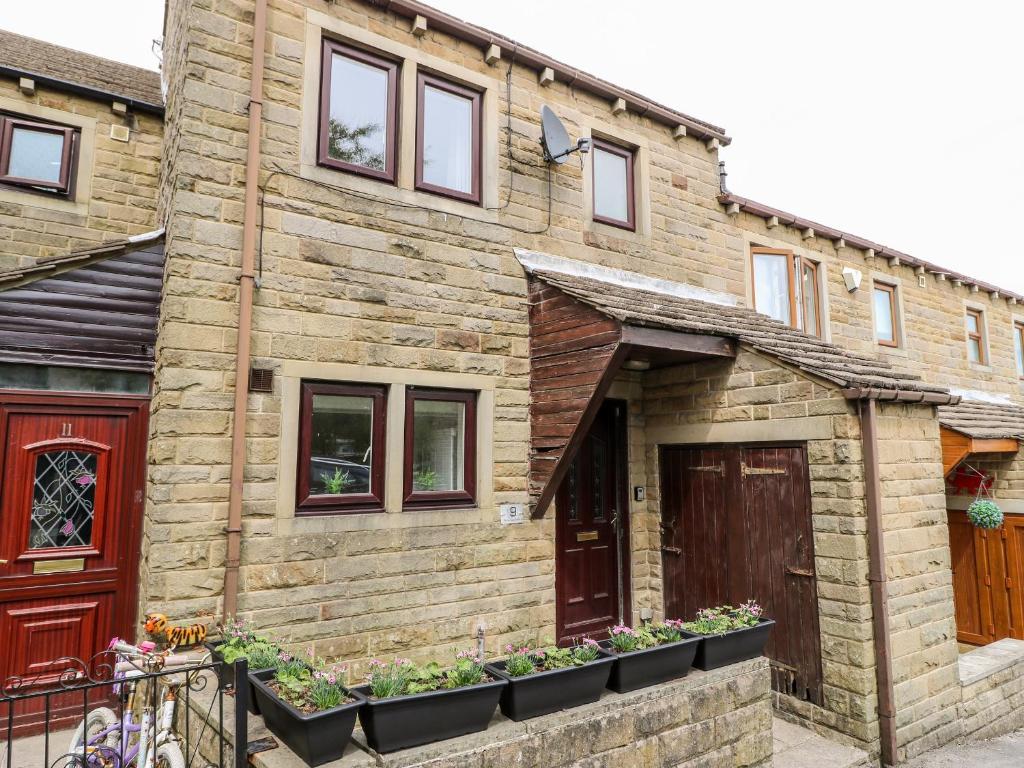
[986, 661]
[500, 729]
[800, 747]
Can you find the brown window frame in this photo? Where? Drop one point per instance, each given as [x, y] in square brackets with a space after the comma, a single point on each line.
[440, 499]
[68, 154]
[979, 336]
[1018, 332]
[307, 505]
[891, 290]
[630, 155]
[331, 47]
[423, 79]
[795, 267]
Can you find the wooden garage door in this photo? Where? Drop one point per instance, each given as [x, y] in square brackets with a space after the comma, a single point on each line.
[736, 523]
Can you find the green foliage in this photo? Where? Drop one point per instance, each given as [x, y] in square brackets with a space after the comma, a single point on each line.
[312, 687]
[985, 513]
[525, 660]
[242, 642]
[424, 480]
[338, 482]
[724, 618]
[348, 144]
[401, 677]
[625, 639]
[669, 631]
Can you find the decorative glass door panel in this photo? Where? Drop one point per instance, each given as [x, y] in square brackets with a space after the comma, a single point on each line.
[63, 500]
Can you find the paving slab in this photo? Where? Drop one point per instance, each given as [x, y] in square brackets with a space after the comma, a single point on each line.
[799, 747]
[1000, 752]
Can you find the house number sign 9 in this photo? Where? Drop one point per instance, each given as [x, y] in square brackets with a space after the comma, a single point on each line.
[512, 513]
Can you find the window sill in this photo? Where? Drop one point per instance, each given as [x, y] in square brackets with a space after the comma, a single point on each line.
[339, 511]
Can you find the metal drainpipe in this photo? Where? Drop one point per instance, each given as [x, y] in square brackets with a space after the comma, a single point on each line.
[878, 583]
[245, 300]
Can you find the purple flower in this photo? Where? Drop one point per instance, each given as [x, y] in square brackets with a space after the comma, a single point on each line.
[84, 479]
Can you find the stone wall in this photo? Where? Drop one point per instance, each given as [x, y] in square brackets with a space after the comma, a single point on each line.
[721, 718]
[992, 690]
[921, 618]
[755, 399]
[115, 188]
[932, 315]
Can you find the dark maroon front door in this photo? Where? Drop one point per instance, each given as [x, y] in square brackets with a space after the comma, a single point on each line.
[592, 562]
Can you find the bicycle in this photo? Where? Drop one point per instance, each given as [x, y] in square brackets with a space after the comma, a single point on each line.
[102, 740]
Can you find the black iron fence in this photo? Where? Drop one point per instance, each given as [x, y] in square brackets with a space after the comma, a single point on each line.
[111, 713]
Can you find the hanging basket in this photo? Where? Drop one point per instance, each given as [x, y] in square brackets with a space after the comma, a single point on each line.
[985, 513]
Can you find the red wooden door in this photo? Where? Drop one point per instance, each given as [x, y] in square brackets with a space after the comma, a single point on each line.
[71, 471]
[592, 526]
[736, 525]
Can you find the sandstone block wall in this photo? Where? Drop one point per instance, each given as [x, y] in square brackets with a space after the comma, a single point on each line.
[992, 689]
[921, 616]
[117, 181]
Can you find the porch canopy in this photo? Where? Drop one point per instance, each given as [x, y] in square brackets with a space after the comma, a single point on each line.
[588, 322]
[989, 425]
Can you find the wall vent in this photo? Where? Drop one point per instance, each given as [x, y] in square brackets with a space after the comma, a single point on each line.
[261, 379]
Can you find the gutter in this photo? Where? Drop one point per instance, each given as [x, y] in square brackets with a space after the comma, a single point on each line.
[534, 59]
[57, 84]
[878, 583]
[901, 395]
[246, 286]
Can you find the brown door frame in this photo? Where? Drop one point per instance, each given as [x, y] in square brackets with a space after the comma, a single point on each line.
[620, 440]
[13, 401]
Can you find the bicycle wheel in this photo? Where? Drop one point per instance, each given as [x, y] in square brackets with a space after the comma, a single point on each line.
[97, 721]
[168, 755]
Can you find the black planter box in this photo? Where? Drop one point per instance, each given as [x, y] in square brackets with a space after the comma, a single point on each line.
[317, 738]
[650, 666]
[738, 645]
[400, 722]
[544, 692]
[226, 676]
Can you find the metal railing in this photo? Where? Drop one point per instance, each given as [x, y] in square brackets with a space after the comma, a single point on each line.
[109, 712]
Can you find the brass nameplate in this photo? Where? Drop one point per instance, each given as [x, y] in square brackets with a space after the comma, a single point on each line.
[59, 566]
[586, 536]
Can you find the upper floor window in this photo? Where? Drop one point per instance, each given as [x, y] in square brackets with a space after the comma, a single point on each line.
[1018, 344]
[976, 337]
[613, 185]
[440, 447]
[39, 155]
[786, 288]
[358, 111]
[341, 448]
[884, 297]
[448, 136]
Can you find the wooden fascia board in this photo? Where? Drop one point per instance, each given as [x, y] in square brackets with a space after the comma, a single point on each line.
[572, 446]
[956, 446]
[995, 445]
[677, 341]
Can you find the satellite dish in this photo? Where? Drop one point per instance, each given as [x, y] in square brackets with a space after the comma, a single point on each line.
[554, 137]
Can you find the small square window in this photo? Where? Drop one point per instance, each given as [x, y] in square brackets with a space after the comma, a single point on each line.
[358, 111]
[976, 337]
[884, 297]
[440, 448]
[341, 448]
[613, 185]
[35, 154]
[448, 139]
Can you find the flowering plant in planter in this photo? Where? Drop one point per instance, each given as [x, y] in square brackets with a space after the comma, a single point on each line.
[728, 635]
[724, 618]
[242, 641]
[525, 660]
[548, 679]
[648, 654]
[308, 706]
[408, 704]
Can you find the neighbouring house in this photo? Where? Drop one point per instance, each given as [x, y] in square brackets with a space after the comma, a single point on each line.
[368, 369]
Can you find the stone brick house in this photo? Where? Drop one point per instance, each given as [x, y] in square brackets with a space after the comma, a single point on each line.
[413, 382]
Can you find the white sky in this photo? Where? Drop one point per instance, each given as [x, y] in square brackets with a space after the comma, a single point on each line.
[902, 122]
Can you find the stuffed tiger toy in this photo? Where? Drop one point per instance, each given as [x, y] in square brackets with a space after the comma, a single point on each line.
[177, 637]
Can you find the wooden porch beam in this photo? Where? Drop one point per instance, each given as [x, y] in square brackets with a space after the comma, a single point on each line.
[676, 341]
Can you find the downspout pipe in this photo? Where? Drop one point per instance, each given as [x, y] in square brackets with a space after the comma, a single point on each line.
[878, 582]
[245, 301]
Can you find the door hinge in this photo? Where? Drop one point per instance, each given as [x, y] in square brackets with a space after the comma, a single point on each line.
[1009, 583]
[759, 470]
[672, 550]
[716, 468]
[807, 572]
[992, 629]
[988, 581]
